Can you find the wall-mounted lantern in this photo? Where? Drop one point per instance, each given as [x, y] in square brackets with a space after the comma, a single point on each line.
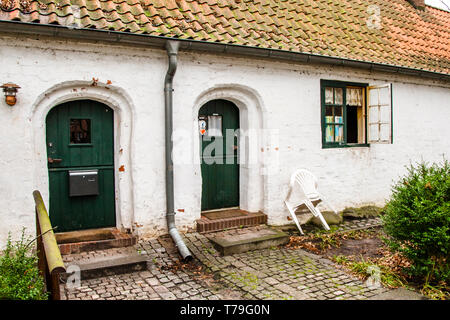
[10, 90]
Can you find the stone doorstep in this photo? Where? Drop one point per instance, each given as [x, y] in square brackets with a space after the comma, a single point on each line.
[231, 243]
[117, 239]
[111, 266]
[205, 225]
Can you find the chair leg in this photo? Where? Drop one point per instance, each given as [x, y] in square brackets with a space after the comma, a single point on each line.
[311, 207]
[294, 216]
[316, 212]
[319, 214]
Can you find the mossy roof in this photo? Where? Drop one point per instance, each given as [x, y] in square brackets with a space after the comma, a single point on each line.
[383, 31]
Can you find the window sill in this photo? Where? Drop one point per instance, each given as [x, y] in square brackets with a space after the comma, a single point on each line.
[351, 145]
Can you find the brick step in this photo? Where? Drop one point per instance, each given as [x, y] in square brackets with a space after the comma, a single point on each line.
[95, 239]
[248, 219]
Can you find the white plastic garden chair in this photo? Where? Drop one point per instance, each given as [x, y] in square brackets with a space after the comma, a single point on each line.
[305, 183]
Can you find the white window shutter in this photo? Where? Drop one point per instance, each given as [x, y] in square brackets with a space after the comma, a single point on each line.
[379, 122]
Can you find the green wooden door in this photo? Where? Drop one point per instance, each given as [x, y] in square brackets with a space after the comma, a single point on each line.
[219, 155]
[80, 138]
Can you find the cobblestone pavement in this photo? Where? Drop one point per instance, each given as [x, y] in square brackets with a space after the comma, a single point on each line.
[274, 273]
[280, 273]
[164, 278]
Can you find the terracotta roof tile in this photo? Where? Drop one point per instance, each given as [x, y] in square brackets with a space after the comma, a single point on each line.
[407, 37]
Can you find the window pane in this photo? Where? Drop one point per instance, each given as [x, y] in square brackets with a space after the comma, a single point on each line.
[373, 132]
[385, 96]
[329, 133]
[338, 111]
[338, 96]
[215, 126]
[329, 95]
[80, 131]
[373, 115]
[385, 114]
[329, 119]
[374, 99]
[385, 130]
[339, 133]
[328, 114]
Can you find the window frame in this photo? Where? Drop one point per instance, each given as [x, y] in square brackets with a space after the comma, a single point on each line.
[343, 85]
[84, 144]
[379, 122]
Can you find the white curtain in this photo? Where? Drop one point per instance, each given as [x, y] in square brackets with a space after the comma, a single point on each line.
[354, 96]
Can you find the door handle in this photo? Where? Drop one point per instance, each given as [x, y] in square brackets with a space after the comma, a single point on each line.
[51, 160]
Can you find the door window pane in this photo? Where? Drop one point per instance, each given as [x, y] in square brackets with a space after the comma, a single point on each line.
[215, 126]
[80, 131]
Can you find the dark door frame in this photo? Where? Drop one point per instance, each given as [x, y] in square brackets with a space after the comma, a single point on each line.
[108, 220]
[231, 199]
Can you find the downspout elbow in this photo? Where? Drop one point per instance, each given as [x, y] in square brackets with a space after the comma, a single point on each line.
[172, 52]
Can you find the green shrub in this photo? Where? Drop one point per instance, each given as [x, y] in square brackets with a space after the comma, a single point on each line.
[19, 275]
[417, 220]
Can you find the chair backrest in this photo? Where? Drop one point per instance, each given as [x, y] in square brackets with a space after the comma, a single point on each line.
[306, 180]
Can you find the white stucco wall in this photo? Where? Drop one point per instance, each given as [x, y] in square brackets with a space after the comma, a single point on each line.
[280, 98]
